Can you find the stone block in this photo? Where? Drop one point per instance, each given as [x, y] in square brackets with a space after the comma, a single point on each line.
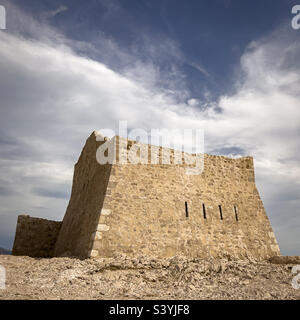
[102, 227]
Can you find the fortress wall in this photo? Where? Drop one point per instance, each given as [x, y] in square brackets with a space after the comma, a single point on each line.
[35, 237]
[141, 210]
[89, 186]
[144, 212]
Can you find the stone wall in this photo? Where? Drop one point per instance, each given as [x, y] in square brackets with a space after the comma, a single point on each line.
[35, 237]
[160, 211]
[89, 187]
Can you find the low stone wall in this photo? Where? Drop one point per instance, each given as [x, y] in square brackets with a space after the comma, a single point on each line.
[285, 260]
[35, 237]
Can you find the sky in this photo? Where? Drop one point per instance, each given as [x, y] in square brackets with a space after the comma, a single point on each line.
[68, 67]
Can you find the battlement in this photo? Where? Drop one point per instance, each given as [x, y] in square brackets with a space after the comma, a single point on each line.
[152, 154]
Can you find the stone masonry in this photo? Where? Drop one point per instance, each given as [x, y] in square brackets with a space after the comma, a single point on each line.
[158, 210]
[35, 237]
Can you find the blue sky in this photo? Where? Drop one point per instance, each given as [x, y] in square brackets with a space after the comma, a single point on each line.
[70, 67]
[210, 34]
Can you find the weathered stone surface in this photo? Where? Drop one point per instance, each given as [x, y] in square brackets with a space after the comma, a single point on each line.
[105, 212]
[148, 213]
[285, 260]
[35, 237]
[87, 198]
[102, 227]
[159, 210]
[98, 235]
[94, 253]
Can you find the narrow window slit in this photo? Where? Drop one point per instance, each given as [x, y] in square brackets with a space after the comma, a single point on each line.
[186, 209]
[204, 211]
[236, 213]
[221, 213]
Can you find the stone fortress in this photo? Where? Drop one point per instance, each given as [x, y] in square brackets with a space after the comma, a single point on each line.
[155, 210]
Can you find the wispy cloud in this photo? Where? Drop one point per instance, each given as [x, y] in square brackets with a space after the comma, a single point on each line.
[54, 97]
[201, 69]
[53, 13]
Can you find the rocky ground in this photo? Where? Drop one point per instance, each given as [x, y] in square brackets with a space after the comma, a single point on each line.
[145, 278]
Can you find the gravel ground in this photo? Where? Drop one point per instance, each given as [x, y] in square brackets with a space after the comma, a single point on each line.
[146, 278]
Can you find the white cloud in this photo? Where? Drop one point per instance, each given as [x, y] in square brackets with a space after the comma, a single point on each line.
[193, 102]
[263, 118]
[52, 98]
